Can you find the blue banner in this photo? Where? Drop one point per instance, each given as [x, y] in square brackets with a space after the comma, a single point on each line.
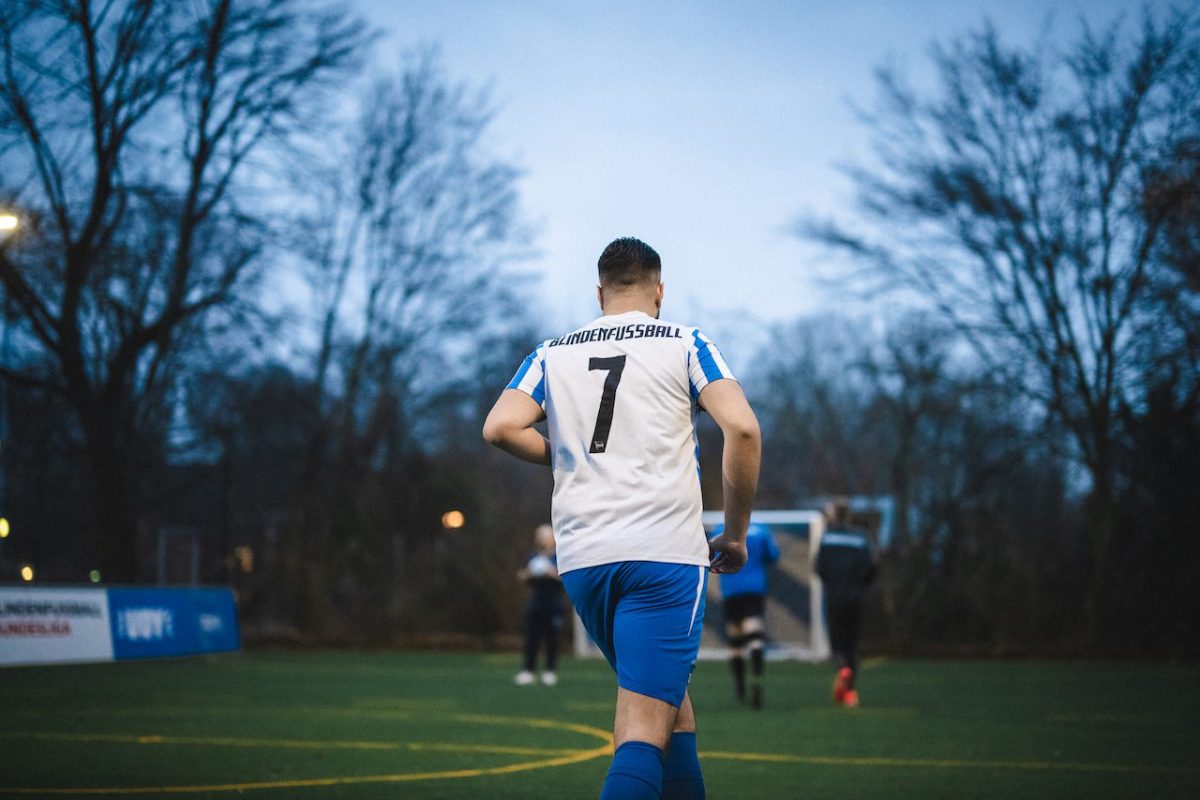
[151, 623]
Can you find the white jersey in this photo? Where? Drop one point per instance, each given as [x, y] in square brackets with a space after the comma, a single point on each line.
[620, 399]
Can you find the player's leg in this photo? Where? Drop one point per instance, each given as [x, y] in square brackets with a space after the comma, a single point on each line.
[636, 768]
[838, 629]
[641, 733]
[644, 727]
[656, 639]
[642, 719]
[754, 634]
[529, 626]
[682, 776]
[737, 659]
[853, 625]
[552, 621]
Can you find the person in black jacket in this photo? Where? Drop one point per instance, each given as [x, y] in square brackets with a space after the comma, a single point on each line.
[846, 567]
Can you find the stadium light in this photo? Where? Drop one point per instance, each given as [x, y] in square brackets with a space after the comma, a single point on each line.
[9, 221]
[5, 528]
[27, 573]
[452, 520]
[94, 576]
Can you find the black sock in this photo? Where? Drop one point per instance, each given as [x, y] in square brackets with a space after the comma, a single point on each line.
[756, 664]
[738, 664]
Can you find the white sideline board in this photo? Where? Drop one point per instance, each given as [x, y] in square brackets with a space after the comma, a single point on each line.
[817, 646]
[53, 626]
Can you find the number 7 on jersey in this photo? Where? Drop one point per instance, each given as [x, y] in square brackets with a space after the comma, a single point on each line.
[614, 365]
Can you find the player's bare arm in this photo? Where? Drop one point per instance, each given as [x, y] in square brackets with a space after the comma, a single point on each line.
[726, 403]
[509, 426]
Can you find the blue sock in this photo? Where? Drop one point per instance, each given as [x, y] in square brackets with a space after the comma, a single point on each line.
[682, 779]
[636, 773]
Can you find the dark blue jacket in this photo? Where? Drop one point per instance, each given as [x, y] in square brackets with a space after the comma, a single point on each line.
[846, 565]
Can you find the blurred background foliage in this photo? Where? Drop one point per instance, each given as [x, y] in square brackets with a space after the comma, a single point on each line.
[262, 297]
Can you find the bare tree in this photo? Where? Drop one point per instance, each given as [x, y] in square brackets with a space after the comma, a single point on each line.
[1012, 199]
[126, 127]
[413, 223]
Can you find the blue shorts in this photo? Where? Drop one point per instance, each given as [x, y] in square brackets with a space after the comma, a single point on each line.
[646, 617]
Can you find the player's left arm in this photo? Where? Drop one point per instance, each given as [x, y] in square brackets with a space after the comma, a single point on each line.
[509, 426]
[871, 570]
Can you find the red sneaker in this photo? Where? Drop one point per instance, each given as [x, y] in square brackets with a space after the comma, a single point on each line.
[851, 699]
[841, 685]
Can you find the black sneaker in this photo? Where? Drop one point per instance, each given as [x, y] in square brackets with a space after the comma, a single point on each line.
[756, 696]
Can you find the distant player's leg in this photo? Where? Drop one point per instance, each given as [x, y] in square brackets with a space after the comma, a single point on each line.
[838, 643]
[737, 659]
[853, 625]
[754, 635]
[551, 632]
[526, 676]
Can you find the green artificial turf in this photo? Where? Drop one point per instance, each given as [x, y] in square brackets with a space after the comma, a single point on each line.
[442, 725]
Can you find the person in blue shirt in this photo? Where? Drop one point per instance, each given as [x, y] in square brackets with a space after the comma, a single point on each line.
[745, 596]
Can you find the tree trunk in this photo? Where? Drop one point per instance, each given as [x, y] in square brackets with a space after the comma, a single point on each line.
[1101, 519]
[114, 523]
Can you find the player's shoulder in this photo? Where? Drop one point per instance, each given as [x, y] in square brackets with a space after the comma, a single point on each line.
[539, 351]
[689, 333]
[846, 538]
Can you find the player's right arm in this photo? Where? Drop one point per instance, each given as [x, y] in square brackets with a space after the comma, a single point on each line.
[726, 404]
[772, 547]
[509, 426]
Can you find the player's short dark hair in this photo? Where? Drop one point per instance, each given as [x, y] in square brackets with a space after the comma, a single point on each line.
[838, 511]
[628, 262]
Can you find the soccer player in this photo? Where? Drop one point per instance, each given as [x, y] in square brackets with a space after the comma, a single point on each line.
[544, 611]
[745, 594]
[620, 397]
[846, 567]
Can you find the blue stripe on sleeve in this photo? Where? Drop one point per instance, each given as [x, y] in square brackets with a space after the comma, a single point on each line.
[539, 392]
[515, 383]
[711, 371]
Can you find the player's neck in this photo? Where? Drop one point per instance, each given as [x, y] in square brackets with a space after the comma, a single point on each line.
[623, 305]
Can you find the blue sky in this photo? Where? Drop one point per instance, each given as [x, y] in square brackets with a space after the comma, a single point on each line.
[705, 129]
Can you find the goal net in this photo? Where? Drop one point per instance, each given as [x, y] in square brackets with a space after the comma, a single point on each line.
[794, 616]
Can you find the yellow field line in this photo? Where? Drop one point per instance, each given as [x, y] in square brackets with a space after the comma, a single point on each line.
[557, 758]
[568, 757]
[311, 744]
[1104, 719]
[945, 763]
[405, 777]
[223, 711]
[489, 719]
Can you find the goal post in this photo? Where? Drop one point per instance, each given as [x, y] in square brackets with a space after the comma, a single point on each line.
[795, 616]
